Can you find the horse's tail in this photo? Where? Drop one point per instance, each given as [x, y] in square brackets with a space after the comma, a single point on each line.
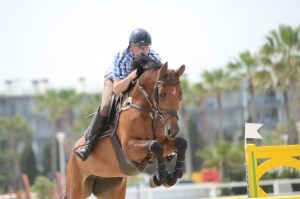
[63, 196]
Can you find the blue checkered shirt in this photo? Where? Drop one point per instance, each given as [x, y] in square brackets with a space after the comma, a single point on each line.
[121, 65]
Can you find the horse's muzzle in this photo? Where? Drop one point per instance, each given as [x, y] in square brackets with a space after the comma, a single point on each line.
[171, 133]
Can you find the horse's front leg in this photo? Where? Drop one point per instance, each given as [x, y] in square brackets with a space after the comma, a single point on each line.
[139, 150]
[157, 150]
[181, 146]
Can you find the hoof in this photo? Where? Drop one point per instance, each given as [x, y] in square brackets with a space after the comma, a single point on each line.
[154, 182]
[169, 182]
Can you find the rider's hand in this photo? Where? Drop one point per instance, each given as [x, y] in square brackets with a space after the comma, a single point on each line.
[133, 74]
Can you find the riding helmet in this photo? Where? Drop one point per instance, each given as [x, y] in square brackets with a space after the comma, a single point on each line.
[140, 37]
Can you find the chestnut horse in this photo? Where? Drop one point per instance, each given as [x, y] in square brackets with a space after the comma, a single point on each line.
[143, 138]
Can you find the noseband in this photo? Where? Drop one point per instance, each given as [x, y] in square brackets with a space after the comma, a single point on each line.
[155, 111]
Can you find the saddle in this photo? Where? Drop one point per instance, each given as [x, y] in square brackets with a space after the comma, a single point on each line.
[116, 101]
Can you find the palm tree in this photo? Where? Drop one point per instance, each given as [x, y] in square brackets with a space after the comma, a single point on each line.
[216, 82]
[57, 105]
[201, 94]
[186, 99]
[16, 131]
[246, 67]
[281, 54]
[224, 157]
[87, 106]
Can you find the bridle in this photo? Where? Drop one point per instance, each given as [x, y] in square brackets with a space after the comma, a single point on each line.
[155, 111]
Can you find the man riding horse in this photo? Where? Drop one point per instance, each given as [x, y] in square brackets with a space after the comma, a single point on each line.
[117, 79]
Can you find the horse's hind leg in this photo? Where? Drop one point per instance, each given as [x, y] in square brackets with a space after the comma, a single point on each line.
[162, 174]
[181, 146]
[74, 184]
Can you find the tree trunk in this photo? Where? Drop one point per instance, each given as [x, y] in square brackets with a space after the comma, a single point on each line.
[206, 132]
[16, 164]
[54, 150]
[253, 102]
[188, 155]
[14, 146]
[287, 115]
[220, 115]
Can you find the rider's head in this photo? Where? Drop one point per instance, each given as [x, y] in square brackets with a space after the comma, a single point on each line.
[139, 42]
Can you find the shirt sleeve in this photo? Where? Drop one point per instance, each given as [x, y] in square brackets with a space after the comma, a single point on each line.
[122, 64]
[116, 70]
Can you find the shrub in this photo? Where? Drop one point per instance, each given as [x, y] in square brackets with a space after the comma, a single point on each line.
[43, 186]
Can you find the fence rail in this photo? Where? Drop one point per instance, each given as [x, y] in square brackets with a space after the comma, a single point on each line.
[280, 187]
[211, 190]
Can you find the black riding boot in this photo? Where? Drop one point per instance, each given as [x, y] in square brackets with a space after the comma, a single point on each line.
[96, 128]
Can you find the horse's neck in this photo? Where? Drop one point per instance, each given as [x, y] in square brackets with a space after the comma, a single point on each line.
[146, 81]
[138, 96]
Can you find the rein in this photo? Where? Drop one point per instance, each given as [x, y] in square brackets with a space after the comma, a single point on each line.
[155, 111]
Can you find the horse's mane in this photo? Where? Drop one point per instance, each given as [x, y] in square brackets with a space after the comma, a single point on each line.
[143, 63]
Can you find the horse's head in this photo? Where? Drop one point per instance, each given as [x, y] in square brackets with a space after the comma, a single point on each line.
[161, 88]
[167, 95]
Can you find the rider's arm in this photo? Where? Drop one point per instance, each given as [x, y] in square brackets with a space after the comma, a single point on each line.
[120, 85]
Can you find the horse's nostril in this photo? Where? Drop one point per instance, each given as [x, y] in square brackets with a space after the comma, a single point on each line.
[171, 134]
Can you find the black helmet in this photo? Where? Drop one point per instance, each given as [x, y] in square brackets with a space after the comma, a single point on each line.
[140, 37]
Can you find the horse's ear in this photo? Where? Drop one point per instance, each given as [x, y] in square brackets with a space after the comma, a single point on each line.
[163, 70]
[180, 71]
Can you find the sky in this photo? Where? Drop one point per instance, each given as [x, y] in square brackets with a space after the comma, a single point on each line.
[64, 40]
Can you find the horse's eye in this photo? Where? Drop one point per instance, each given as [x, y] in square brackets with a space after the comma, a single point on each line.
[162, 95]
